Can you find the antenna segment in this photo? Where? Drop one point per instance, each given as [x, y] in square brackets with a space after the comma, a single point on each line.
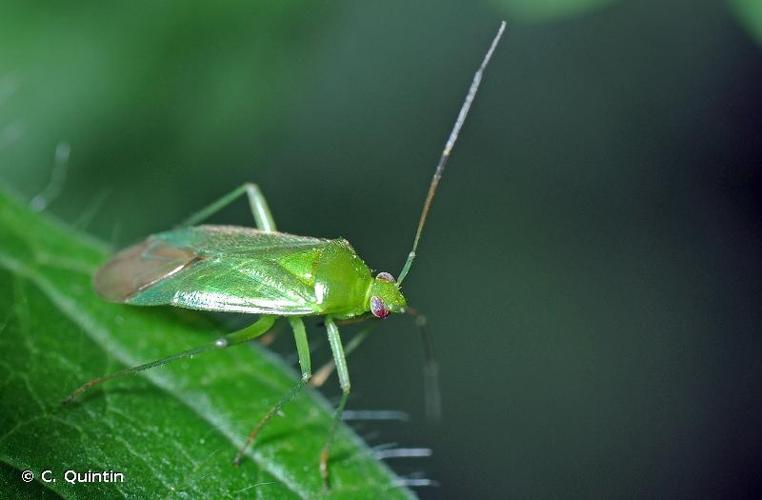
[448, 149]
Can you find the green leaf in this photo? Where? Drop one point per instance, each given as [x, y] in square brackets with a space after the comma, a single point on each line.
[543, 10]
[749, 13]
[172, 431]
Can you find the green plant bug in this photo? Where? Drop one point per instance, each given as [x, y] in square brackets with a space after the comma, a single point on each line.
[269, 273]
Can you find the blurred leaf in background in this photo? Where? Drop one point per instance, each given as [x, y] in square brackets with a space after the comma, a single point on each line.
[749, 13]
[146, 93]
[545, 10]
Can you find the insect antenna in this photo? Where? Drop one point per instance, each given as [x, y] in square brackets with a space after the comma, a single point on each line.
[448, 149]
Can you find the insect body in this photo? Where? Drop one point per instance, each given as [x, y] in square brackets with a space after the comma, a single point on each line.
[239, 269]
[265, 272]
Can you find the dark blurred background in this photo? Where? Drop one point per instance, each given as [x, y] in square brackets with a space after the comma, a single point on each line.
[591, 270]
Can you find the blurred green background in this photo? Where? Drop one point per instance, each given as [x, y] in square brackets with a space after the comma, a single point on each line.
[591, 270]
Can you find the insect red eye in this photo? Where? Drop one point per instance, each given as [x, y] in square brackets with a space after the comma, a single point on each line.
[384, 276]
[378, 308]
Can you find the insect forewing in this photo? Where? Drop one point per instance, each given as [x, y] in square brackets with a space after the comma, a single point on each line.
[216, 268]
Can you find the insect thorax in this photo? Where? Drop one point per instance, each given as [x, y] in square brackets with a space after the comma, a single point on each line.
[342, 280]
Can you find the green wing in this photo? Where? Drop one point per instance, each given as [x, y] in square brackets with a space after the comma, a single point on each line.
[216, 268]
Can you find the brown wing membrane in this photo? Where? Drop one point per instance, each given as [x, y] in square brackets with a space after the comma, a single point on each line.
[138, 267]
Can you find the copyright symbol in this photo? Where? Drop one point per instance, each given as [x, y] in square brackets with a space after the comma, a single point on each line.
[27, 476]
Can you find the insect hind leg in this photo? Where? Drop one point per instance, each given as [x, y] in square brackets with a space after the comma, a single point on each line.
[257, 202]
[259, 327]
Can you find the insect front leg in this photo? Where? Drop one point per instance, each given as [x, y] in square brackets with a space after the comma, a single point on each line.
[259, 208]
[341, 368]
[305, 363]
[325, 371]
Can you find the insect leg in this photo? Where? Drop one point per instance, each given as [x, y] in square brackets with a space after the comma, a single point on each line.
[325, 371]
[259, 209]
[305, 363]
[57, 179]
[259, 327]
[341, 367]
[268, 338]
[302, 346]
